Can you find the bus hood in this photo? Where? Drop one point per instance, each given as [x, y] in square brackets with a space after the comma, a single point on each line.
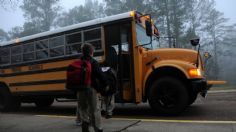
[186, 55]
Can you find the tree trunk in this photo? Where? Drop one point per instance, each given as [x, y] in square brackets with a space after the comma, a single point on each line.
[168, 22]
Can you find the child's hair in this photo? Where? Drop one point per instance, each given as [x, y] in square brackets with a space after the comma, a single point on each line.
[87, 49]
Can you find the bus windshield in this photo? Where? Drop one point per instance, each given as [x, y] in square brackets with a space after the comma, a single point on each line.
[144, 40]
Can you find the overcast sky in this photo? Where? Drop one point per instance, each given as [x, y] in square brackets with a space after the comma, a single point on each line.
[11, 18]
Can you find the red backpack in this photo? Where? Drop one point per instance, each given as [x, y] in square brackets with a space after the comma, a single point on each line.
[79, 75]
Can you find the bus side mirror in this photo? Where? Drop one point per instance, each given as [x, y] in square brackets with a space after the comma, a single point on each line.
[148, 25]
[195, 42]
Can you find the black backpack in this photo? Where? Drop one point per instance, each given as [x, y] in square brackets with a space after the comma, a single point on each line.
[111, 78]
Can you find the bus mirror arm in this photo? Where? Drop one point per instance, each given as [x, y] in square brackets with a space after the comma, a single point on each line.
[195, 42]
[198, 53]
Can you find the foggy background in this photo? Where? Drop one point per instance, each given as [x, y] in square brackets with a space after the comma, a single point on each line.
[213, 21]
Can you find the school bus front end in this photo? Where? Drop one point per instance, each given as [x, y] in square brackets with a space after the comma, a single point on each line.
[169, 78]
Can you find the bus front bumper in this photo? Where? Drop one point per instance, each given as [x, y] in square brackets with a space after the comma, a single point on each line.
[202, 86]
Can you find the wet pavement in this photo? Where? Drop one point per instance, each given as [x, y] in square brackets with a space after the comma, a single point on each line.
[216, 113]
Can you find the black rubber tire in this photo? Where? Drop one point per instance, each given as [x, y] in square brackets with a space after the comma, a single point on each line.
[7, 101]
[44, 102]
[16, 104]
[168, 96]
[192, 98]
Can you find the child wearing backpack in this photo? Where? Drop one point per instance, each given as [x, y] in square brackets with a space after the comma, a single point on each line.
[82, 75]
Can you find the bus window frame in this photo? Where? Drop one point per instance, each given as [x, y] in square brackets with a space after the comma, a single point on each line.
[21, 54]
[47, 38]
[9, 55]
[72, 44]
[54, 38]
[83, 36]
[56, 47]
[73, 34]
[28, 52]
[45, 49]
[93, 40]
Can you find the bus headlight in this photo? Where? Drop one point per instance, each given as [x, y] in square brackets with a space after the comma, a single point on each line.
[195, 72]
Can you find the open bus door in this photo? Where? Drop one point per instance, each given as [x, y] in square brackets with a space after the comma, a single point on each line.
[119, 57]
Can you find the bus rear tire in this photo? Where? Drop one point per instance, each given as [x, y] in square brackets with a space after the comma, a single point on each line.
[7, 101]
[168, 96]
[44, 102]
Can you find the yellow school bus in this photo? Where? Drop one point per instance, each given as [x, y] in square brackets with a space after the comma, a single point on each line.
[33, 68]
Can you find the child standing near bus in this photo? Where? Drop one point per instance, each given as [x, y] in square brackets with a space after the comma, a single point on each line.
[88, 99]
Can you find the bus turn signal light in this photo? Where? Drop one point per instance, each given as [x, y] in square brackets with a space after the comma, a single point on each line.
[194, 72]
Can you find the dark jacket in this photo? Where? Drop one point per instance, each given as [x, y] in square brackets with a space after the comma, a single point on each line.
[97, 74]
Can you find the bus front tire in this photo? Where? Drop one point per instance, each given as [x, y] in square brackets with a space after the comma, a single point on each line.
[44, 102]
[168, 96]
[7, 101]
[192, 98]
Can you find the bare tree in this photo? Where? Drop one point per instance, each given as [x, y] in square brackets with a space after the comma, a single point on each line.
[90, 10]
[39, 14]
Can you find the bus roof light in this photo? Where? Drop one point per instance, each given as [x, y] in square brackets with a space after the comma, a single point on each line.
[132, 13]
[17, 40]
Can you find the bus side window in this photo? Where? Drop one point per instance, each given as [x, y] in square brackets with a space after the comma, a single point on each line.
[16, 54]
[56, 46]
[57, 52]
[73, 43]
[56, 41]
[41, 49]
[5, 56]
[28, 52]
[93, 36]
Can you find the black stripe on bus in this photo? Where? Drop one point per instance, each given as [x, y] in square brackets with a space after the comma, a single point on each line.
[63, 58]
[35, 72]
[37, 83]
[52, 93]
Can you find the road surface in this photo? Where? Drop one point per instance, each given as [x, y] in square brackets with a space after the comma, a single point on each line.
[216, 113]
